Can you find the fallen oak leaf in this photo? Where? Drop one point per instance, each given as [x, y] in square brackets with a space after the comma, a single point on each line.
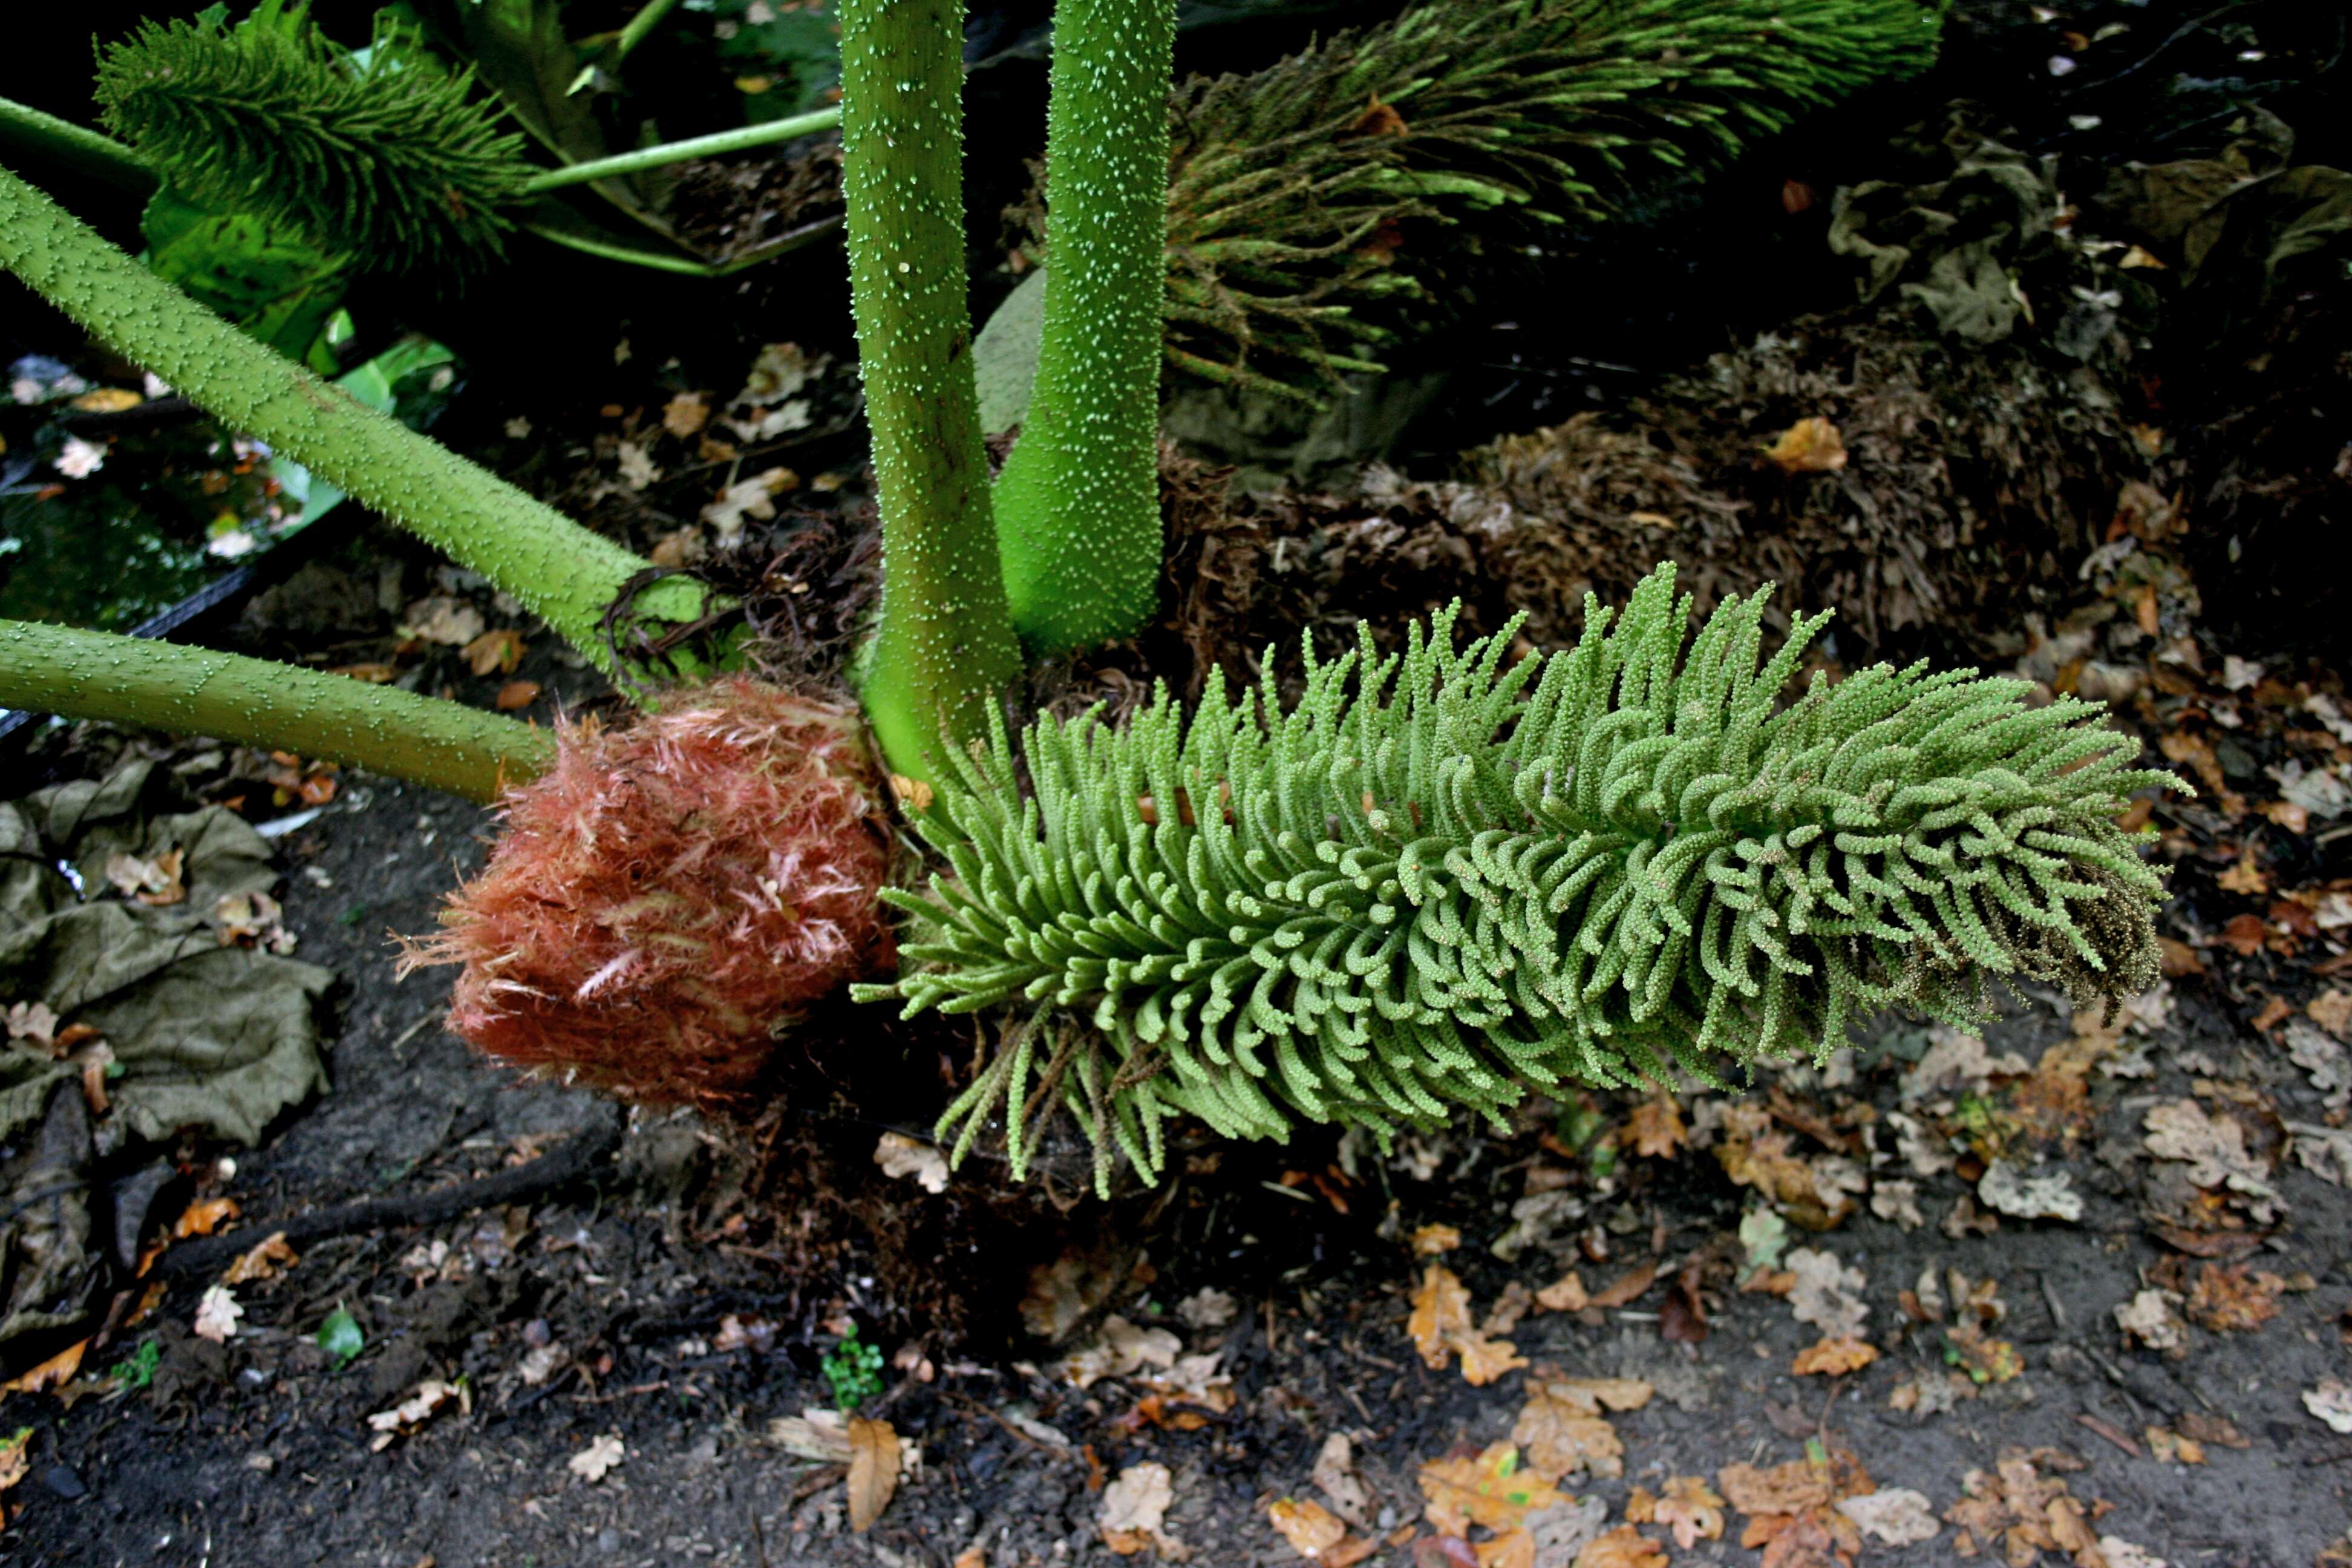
[1485, 1360]
[1562, 1435]
[1440, 1310]
[218, 1315]
[599, 1458]
[1810, 445]
[1314, 1533]
[1429, 1240]
[1494, 1488]
[1623, 1547]
[1690, 1509]
[265, 1260]
[1834, 1357]
[1657, 1128]
[1134, 1510]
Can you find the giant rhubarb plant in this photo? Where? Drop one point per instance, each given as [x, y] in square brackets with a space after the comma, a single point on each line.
[1438, 880]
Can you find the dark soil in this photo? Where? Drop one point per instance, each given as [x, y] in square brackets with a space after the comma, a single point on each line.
[257, 1453]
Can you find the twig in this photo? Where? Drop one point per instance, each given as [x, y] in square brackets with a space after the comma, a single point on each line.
[2110, 1431]
[557, 1169]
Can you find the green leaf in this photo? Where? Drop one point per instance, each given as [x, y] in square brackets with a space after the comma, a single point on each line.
[1764, 1234]
[341, 1337]
[794, 54]
[1005, 356]
[268, 280]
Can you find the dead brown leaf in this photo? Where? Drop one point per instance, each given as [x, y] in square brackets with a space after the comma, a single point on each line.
[2024, 1514]
[267, 1261]
[1690, 1509]
[873, 1470]
[1566, 1296]
[54, 1372]
[1561, 1431]
[2245, 877]
[1657, 1128]
[2332, 1011]
[1834, 1357]
[203, 1217]
[500, 650]
[1623, 1547]
[2232, 1299]
[685, 414]
[1810, 445]
[1441, 1311]
[1312, 1529]
[517, 694]
[1430, 1240]
[1627, 1287]
[1494, 1488]
[1377, 119]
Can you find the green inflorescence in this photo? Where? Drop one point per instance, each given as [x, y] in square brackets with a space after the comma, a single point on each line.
[1439, 879]
[1289, 185]
[395, 161]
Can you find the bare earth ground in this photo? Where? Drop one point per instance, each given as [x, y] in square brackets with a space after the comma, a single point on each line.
[257, 1453]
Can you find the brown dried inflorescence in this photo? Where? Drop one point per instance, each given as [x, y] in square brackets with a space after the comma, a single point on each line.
[670, 893]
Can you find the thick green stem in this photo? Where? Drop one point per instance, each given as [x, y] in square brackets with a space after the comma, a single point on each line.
[1078, 506]
[254, 703]
[716, 144]
[90, 150]
[560, 571]
[945, 649]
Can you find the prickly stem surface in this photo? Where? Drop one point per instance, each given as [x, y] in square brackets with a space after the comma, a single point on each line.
[945, 649]
[1078, 503]
[254, 702]
[562, 572]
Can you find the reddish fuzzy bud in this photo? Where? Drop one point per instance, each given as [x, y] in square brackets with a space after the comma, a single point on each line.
[670, 893]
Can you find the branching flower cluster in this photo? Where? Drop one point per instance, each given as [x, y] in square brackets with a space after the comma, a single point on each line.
[1441, 878]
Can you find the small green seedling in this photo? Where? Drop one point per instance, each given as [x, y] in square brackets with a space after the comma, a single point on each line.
[137, 1370]
[853, 1369]
[342, 1338]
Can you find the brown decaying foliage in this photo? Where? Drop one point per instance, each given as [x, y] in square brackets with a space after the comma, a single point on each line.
[669, 892]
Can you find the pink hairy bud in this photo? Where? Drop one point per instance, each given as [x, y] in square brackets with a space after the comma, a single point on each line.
[669, 894]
